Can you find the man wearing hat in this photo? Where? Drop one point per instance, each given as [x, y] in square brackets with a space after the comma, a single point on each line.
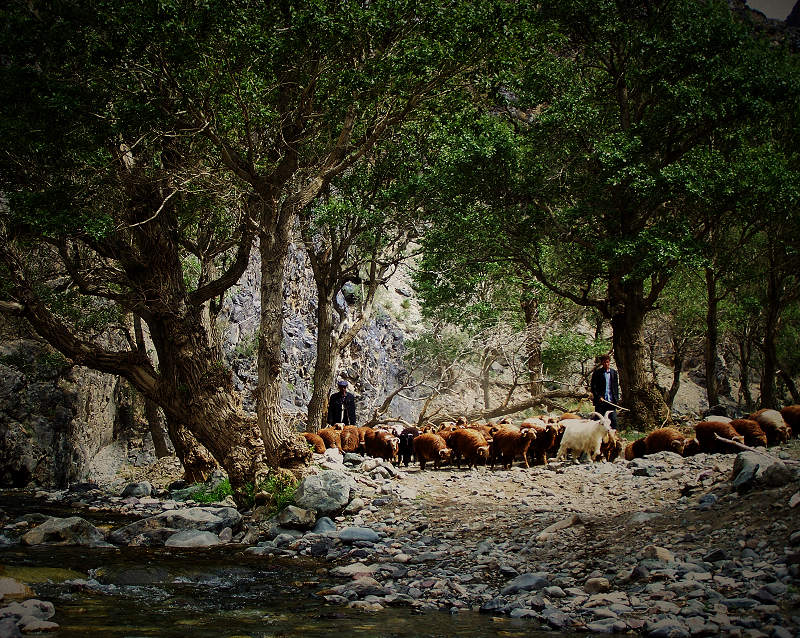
[342, 406]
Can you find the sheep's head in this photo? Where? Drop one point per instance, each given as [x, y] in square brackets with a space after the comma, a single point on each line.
[445, 454]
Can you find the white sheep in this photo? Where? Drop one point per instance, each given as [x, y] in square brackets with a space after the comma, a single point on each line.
[585, 435]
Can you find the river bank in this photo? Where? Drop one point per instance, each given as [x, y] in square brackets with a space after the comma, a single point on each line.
[662, 546]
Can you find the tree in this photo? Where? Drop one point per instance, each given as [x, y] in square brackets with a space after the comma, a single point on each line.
[157, 135]
[609, 149]
[359, 233]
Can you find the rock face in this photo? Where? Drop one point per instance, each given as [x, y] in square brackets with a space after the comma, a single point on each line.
[373, 362]
[54, 417]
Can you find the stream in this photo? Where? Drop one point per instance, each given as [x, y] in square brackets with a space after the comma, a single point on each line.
[213, 592]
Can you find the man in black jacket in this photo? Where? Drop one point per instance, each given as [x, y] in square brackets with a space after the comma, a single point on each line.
[342, 406]
[605, 389]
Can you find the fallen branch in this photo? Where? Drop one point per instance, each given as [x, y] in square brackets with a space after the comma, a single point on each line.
[746, 448]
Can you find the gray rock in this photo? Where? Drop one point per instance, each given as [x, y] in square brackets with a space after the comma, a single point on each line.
[353, 534]
[324, 524]
[715, 555]
[9, 629]
[739, 603]
[282, 540]
[207, 519]
[526, 582]
[327, 493]
[65, 531]
[192, 538]
[41, 609]
[31, 624]
[555, 617]
[295, 517]
[137, 490]
[752, 470]
[606, 626]
[554, 592]
[667, 628]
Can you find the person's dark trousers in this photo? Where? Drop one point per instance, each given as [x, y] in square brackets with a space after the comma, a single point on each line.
[602, 408]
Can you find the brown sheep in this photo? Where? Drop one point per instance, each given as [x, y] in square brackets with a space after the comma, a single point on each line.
[751, 431]
[773, 425]
[332, 438]
[664, 440]
[791, 415]
[508, 444]
[569, 415]
[543, 443]
[706, 432]
[315, 441]
[350, 438]
[382, 445]
[692, 447]
[485, 430]
[431, 447]
[611, 449]
[469, 444]
[636, 449]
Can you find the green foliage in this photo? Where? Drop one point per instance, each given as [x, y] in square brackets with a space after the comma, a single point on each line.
[220, 493]
[280, 488]
[562, 350]
[247, 346]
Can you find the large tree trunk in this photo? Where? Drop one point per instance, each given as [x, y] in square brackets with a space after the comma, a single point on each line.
[282, 445]
[155, 423]
[769, 397]
[197, 461]
[325, 366]
[645, 403]
[678, 356]
[198, 393]
[534, 338]
[744, 374]
[712, 339]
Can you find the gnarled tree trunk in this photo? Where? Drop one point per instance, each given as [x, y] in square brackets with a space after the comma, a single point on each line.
[638, 393]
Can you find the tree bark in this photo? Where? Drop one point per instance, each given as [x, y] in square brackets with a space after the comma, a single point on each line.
[712, 339]
[638, 393]
[155, 423]
[744, 374]
[325, 366]
[533, 343]
[678, 356]
[772, 313]
[282, 446]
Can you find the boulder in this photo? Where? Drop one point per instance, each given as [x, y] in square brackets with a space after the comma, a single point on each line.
[755, 470]
[526, 582]
[192, 538]
[137, 490]
[65, 531]
[296, 518]
[206, 519]
[327, 493]
[353, 534]
[11, 588]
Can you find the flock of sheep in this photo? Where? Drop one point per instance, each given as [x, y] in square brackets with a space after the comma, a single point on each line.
[534, 439]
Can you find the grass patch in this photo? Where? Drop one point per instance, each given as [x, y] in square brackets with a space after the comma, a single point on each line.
[219, 493]
[280, 489]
